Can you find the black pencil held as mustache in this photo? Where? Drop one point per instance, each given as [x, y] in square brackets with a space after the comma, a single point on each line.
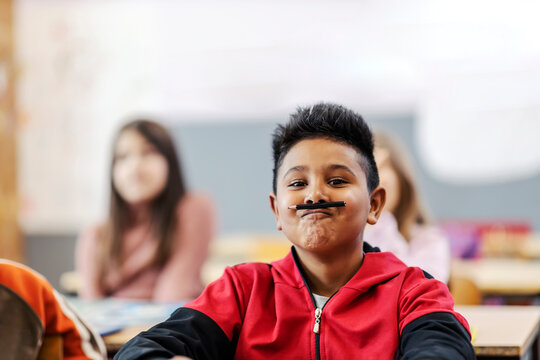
[321, 205]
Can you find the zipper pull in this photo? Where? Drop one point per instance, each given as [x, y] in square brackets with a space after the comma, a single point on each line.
[317, 320]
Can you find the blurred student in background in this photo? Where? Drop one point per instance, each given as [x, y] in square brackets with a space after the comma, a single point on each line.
[155, 241]
[404, 227]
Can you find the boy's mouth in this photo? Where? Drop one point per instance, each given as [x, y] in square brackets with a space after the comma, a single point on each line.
[316, 212]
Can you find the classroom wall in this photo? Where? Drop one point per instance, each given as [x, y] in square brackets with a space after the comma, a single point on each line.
[11, 246]
[233, 162]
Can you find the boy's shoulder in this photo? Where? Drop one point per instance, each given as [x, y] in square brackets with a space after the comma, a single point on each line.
[282, 271]
[384, 268]
[251, 269]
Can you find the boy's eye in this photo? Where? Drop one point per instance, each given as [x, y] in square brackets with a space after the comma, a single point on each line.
[335, 182]
[297, 183]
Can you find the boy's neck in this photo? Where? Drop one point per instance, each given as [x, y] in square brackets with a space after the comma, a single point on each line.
[327, 274]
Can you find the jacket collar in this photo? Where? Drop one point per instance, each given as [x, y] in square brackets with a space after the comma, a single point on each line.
[376, 268]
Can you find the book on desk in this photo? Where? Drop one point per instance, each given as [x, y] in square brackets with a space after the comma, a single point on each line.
[111, 315]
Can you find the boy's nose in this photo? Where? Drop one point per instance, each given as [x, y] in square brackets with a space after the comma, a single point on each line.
[315, 195]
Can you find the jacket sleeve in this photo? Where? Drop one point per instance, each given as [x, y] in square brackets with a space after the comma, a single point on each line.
[436, 336]
[429, 326]
[206, 328]
[187, 332]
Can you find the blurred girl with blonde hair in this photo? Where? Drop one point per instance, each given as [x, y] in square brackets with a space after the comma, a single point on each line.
[405, 227]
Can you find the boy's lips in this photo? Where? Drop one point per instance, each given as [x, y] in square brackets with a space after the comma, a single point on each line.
[315, 212]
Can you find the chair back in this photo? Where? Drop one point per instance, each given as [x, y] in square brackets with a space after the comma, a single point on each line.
[21, 329]
[464, 291]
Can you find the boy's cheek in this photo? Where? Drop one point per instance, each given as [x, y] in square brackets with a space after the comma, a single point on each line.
[354, 211]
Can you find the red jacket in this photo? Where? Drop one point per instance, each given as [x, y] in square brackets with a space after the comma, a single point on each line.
[265, 311]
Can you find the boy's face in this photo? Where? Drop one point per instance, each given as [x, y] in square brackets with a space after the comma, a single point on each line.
[322, 170]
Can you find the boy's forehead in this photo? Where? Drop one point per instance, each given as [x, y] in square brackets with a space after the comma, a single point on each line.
[311, 152]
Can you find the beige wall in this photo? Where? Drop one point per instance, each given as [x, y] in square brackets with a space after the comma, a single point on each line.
[10, 239]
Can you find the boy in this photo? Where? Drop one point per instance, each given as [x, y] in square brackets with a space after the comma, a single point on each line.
[333, 296]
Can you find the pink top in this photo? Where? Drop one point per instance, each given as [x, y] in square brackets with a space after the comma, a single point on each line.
[179, 279]
[428, 248]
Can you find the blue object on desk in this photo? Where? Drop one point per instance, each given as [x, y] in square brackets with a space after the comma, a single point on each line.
[112, 330]
[111, 315]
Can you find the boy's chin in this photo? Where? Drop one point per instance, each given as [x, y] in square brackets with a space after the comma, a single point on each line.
[325, 245]
[314, 245]
[323, 240]
[314, 239]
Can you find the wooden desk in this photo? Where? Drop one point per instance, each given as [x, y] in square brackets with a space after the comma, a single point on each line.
[531, 248]
[114, 342]
[132, 316]
[501, 276]
[504, 332]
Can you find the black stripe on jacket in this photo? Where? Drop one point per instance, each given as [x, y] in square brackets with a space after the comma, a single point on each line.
[187, 332]
[435, 336]
[193, 334]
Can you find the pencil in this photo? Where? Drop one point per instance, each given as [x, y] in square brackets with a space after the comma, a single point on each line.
[322, 205]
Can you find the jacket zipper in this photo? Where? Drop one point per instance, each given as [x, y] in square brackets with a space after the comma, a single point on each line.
[316, 330]
[317, 325]
[318, 311]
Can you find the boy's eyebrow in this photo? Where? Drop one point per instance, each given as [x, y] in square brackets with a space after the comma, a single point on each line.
[331, 167]
[294, 168]
[341, 167]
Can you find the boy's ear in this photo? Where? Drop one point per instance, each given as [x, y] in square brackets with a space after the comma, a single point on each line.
[274, 207]
[376, 204]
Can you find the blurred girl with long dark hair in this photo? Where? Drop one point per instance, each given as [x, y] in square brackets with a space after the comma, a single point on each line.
[155, 240]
